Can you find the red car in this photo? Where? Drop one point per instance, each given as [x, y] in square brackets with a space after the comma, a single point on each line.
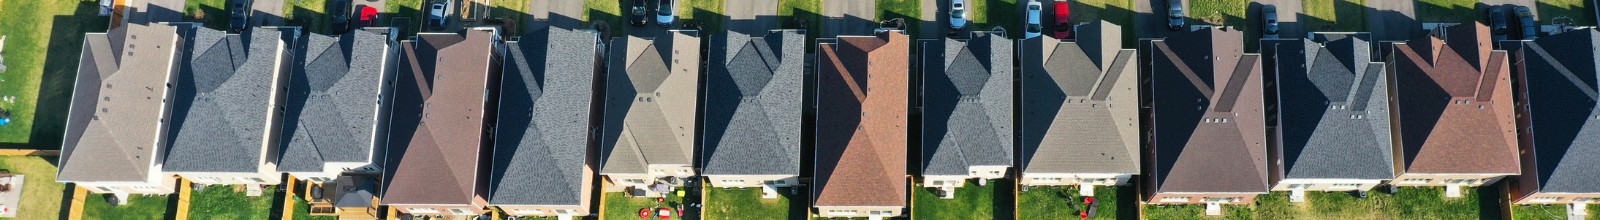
[1063, 21]
[368, 17]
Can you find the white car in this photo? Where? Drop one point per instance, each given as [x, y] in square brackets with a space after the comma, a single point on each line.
[958, 14]
[1033, 29]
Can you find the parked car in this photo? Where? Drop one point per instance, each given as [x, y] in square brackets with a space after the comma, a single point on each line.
[1269, 22]
[1525, 18]
[436, 14]
[1034, 27]
[339, 13]
[1175, 14]
[368, 17]
[1498, 24]
[240, 19]
[664, 12]
[958, 14]
[1063, 21]
[639, 13]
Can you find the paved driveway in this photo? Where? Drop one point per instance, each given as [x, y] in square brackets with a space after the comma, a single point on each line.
[146, 11]
[849, 17]
[1289, 14]
[1150, 18]
[267, 12]
[751, 16]
[1393, 20]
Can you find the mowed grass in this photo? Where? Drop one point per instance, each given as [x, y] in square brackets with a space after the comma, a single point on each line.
[43, 41]
[1407, 203]
[810, 10]
[1063, 202]
[619, 206]
[1119, 12]
[139, 207]
[1003, 13]
[746, 203]
[608, 11]
[708, 12]
[1334, 15]
[908, 10]
[214, 13]
[230, 202]
[41, 194]
[313, 15]
[410, 9]
[1581, 15]
[302, 211]
[1548, 212]
[971, 202]
[512, 13]
[1219, 12]
[1447, 11]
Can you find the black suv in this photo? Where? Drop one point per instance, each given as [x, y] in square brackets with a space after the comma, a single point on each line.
[339, 12]
[240, 19]
[638, 13]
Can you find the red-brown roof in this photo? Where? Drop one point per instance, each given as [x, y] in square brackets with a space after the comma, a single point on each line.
[1208, 115]
[1455, 103]
[861, 128]
[439, 109]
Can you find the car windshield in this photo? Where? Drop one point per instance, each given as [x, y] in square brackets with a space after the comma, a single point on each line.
[957, 6]
[958, 13]
[1033, 7]
[1034, 28]
[1176, 13]
[638, 10]
[665, 9]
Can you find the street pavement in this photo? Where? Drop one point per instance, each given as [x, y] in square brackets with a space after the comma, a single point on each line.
[849, 17]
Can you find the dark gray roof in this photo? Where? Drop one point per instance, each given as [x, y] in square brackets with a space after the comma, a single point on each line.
[1080, 103]
[967, 105]
[547, 110]
[223, 101]
[753, 96]
[114, 118]
[1560, 73]
[333, 100]
[1333, 110]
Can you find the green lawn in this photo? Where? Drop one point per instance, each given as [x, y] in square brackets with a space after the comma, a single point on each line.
[1004, 13]
[1548, 212]
[1407, 203]
[746, 203]
[1051, 202]
[214, 13]
[223, 202]
[302, 211]
[43, 41]
[608, 11]
[1449, 11]
[514, 13]
[1335, 15]
[1575, 9]
[707, 11]
[313, 15]
[411, 9]
[138, 208]
[619, 206]
[1119, 12]
[909, 10]
[810, 10]
[41, 194]
[1219, 12]
[971, 202]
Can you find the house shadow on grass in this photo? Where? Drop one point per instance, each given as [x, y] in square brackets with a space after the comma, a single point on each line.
[59, 76]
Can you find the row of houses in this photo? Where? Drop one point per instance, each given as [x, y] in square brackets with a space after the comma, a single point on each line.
[537, 125]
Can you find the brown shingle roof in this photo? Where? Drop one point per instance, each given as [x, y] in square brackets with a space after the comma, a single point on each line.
[437, 131]
[861, 131]
[1455, 117]
[1209, 122]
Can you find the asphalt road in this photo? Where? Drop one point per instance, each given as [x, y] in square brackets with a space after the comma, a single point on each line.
[846, 17]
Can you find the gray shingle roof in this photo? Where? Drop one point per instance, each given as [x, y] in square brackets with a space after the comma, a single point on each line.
[1080, 104]
[753, 96]
[652, 93]
[1561, 75]
[223, 101]
[546, 112]
[967, 105]
[333, 100]
[1331, 125]
[113, 121]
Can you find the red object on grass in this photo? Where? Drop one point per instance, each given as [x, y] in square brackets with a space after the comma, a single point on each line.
[1088, 200]
[666, 213]
[644, 213]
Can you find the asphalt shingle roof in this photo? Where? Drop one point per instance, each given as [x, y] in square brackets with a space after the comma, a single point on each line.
[1561, 75]
[1456, 111]
[1331, 126]
[223, 101]
[437, 128]
[651, 99]
[114, 118]
[861, 134]
[967, 105]
[753, 96]
[333, 100]
[1210, 130]
[547, 111]
[1080, 103]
